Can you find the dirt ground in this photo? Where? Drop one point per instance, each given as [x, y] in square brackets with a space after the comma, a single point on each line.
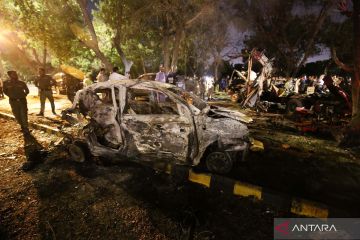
[306, 165]
[63, 200]
[312, 166]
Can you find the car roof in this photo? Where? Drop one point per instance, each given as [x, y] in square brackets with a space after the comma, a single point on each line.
[128, 83]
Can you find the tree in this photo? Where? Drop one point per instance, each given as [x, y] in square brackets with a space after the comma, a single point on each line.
[15, 49]
[355, 123]
[214, 38]
[353, 132]
[40, 23]
[92, 41]
[116, 15]
[287, 30]
[170, 20]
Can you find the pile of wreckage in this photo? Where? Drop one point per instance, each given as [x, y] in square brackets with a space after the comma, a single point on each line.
[153, 121]
[264, 93]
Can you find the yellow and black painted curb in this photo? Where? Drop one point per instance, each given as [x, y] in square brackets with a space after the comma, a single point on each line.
[37, 126]
[280, 201]
[224, 184]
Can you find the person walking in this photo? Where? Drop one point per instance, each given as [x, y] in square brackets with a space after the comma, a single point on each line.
[45, 83]
[17, 91]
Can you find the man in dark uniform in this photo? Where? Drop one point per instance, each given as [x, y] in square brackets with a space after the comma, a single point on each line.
[17, 91]
[45, 83]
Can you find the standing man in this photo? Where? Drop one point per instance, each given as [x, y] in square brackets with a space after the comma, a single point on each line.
[210, 87]
[115, 75]
[161, 75]
[45, 83]
[17, 91]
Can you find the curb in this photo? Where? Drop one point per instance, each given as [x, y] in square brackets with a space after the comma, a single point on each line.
[226, 185]
[37, 126]
[278, 200]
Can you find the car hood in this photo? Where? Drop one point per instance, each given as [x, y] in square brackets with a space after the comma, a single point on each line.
[215, 110]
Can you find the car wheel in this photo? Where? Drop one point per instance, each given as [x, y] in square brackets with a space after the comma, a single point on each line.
[219, 162]
[78, 152]
[292, 105]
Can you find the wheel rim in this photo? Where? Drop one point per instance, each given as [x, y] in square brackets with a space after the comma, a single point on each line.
[76, 153]
[218, 162]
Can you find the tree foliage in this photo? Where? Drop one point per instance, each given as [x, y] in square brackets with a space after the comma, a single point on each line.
[287, 29]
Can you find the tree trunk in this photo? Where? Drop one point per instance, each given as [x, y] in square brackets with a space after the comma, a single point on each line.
[319, 22]
[143, 64]
[216, 72]
[356, 76]
[117, 43]
[44, 55]
[166, 52]
[103, 59]
[352, 132]
[340, 64]
[94, 45]
[36, 56]
[176, 47]
[127, 63]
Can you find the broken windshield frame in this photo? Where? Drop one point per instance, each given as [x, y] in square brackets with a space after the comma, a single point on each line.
[190, 98]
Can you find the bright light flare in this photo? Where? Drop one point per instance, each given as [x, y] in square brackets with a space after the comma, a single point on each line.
[3, 36]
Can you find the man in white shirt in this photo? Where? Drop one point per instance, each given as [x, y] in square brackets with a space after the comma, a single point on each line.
[115, 75]
[161, 75]
[209, 81]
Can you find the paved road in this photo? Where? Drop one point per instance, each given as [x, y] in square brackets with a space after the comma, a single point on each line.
[61, 103]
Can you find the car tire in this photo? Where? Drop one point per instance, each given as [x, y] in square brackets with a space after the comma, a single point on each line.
[291, 106]
[78, 152]
[219, 162]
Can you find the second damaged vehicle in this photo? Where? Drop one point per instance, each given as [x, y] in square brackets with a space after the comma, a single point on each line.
[152, 121]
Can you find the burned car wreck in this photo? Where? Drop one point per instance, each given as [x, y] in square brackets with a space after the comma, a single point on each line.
[152, 121]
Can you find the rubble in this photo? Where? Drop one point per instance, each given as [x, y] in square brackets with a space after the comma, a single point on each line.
[313, 105]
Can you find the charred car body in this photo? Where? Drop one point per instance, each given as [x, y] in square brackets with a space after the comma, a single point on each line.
[152, 121]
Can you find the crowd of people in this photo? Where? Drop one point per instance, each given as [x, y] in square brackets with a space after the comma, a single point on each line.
[313, 84]
[17, 90]
[203, 86]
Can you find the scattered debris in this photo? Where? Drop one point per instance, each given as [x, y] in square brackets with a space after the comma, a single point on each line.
[285, 146]
[147, 119]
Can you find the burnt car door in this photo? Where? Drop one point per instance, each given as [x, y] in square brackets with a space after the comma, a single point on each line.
[103, 109]
[155, 126]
